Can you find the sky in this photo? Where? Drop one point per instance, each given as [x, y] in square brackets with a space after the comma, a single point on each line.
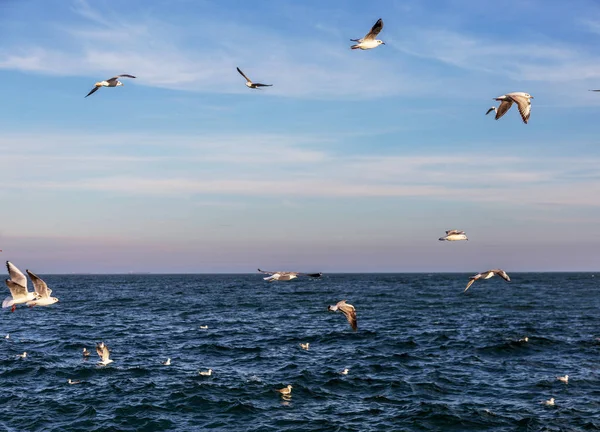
[354, 161]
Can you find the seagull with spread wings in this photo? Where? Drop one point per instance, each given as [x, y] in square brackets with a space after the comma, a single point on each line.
[104, 354]
[111, 82]
[42, 291]
[523, 101]
[286, 276]
[251, 84]
[17, 284]
[348, 310]
[486, 275]
[369, 41]
[454, 235]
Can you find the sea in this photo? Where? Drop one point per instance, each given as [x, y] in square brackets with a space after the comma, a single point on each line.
[426, 357]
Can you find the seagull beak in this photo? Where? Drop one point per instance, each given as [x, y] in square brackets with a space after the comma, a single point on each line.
[382, 43]
[532, 97]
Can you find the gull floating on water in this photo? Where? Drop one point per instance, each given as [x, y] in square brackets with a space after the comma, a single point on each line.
[286, 276]
[17, 284]
[204, 327]
[525, 339]
[7, 336]
[286, 391]
[111, 82]
[549, 402]
[486, 275]
[205, 373]
[454, 235]
[564, 379]
[42, 291]
[85, 352]
[348, 310]
[70, 381]
[523, 101]
[168, 362]
[24, 355]
[345, 371]
[305, 346]
[369, 41]
[251, 84]
[104, 354]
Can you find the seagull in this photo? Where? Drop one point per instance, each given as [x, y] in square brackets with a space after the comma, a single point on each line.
[304, 346]
[491, 109]
[523, 101]
[454, 235]
[203, 327]
[42, 291]
[104, 354]
[112, 82]
[345, 371]
[346, 309]
[525, 339]
[369, 41]
[17, 284]
[286, 391]
[251, 84]
[486, 275]
[564, 379]
[549, 402]
[70, 381]
[286, 276]
[168, 362]
[85, 352]
[24, 355]
[205, 373]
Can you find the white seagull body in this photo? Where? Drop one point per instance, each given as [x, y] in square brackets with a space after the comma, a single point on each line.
[286, 391]
[345, 371]
[168, 362]
[348, 310]
[70, 381]
[286, 276]
[104, 354]
[564, 379]
[486, 275]
[305, 345]
[454, 235]
[251, 84]
[111, 82]
[17, 284]
[369, 41]
[24, 355]
[523, 101]
[549, 402]
[42, 291]
[205, 373]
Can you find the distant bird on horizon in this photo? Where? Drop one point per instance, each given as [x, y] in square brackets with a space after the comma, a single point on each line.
[286, 276]
[305, 345]
[251, 84]
[564, 379]
[104, 354]
[111, 82]
[17, 284]
[205, 373]
[454, 235]
[42, 291]
[486, 275]
[523, 101]
[348, 310]
[369, 41]
[167, 362]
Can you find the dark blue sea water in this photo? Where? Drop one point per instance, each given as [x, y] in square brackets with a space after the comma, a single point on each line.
[426, 357]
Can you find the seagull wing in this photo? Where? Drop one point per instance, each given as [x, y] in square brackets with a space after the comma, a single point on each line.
[17, 291]
[350, 312]
[115, 78]
[95, 89]
[105, 353]
[595, 90]
[268, 272]
[39, 286]
[263, 85]
[100, 348]
[16, 275]
[472, 279]
[524, 105]
[450, 232]
[502, 274]
[490, 110]
[374, 30]
[242, 74]
[504, 106]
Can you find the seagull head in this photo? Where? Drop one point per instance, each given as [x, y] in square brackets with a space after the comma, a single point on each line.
[380, 42]
[119, 83]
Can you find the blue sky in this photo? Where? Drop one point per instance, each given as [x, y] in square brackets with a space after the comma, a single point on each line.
[352, 161]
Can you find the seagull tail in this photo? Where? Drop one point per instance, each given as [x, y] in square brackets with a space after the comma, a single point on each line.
[442, 238]
[8, 302]
[354, 47]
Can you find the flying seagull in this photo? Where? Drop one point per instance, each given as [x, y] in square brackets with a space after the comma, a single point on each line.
[454, 235]
[369, 41]
[486, 275]
[523, 101]
[17, 284]
[286, 276]
[346, 309]
[104, 354]
[42, 291]
[251, 84]
[112, 82]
